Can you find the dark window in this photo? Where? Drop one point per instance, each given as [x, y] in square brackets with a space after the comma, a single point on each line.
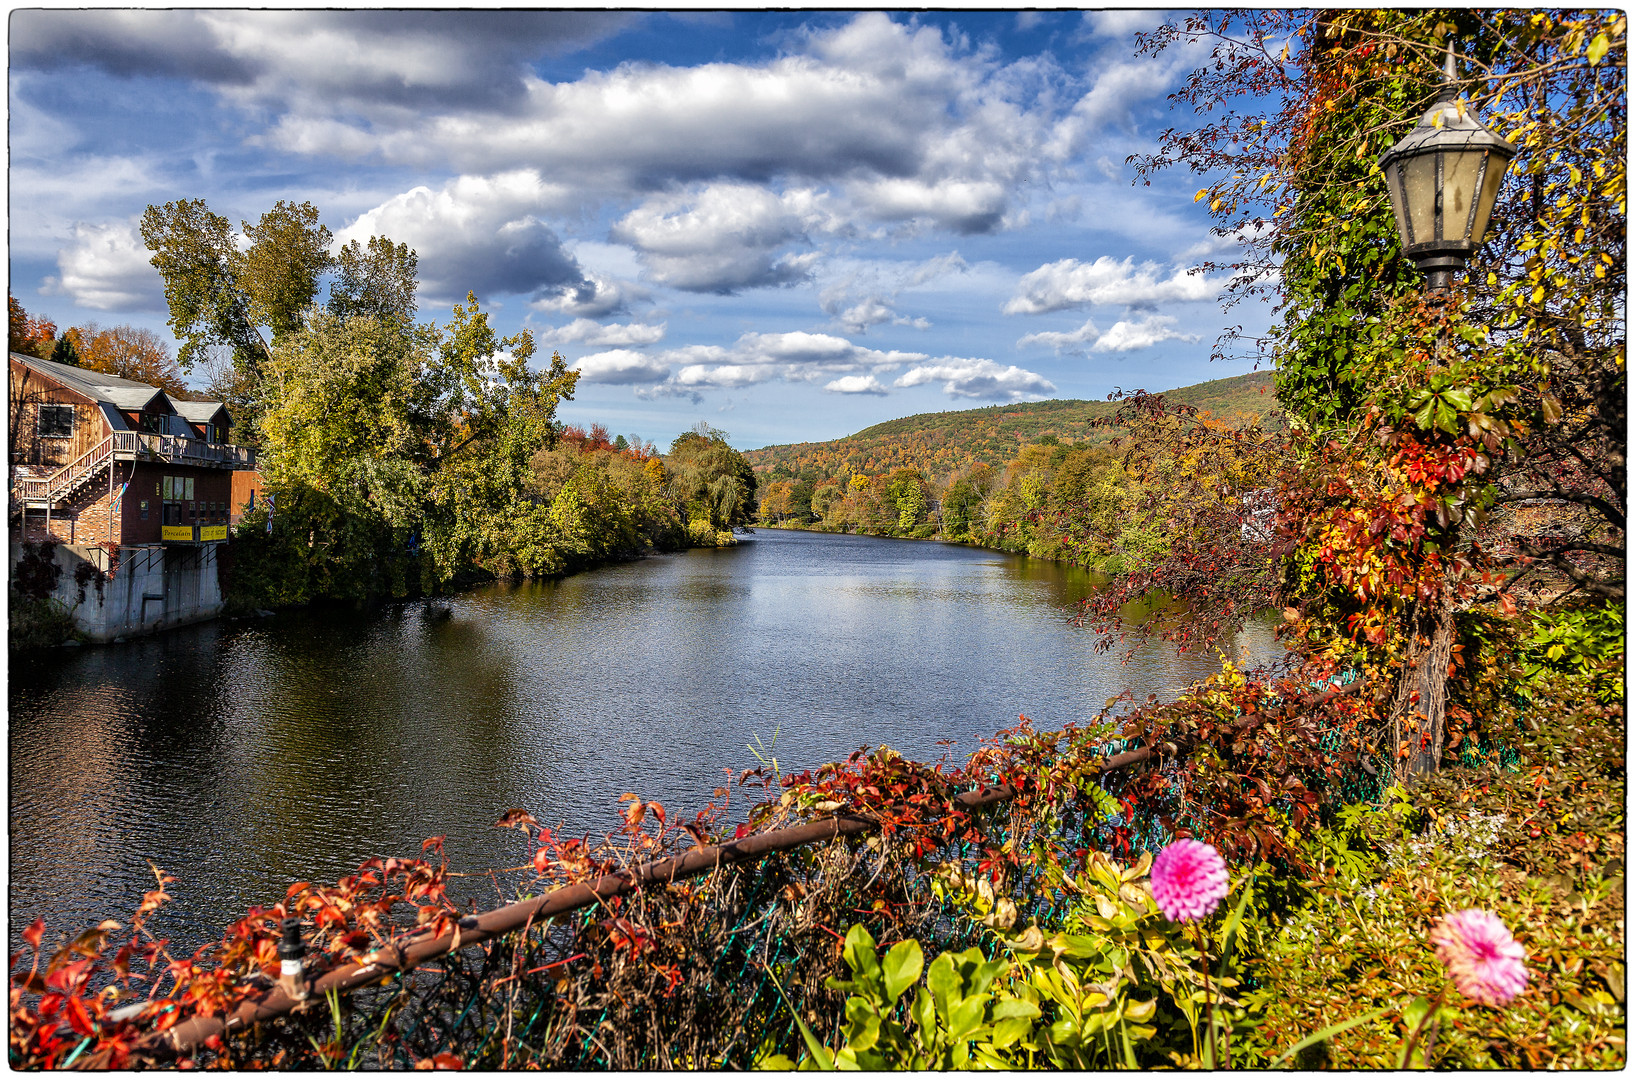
[56, 421]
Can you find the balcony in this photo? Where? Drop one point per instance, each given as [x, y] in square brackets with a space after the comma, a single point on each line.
[142, 446]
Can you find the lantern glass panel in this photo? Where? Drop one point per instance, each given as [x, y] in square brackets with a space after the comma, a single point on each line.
[1419, 187]
[1461, 172]
[1490, 192]
[1393, 186]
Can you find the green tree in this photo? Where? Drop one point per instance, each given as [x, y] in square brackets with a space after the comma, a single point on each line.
[378, 279]
[710, 479]
[221, 295]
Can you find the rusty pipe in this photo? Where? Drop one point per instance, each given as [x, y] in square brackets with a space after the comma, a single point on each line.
[474, 929]
[501, 921]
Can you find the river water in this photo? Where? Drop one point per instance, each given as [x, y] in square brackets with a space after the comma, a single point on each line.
[242, 756]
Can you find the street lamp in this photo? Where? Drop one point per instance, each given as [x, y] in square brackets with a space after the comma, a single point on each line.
[1443, 178]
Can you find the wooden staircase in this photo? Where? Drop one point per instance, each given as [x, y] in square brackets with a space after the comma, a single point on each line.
[50, 492]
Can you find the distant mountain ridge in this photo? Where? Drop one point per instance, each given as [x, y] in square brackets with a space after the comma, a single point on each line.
[944, 441]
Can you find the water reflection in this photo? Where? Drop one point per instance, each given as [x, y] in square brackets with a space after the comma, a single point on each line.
[243, 756]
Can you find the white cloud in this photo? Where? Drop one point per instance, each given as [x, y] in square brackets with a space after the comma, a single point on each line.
[975, 378]
[107, 268]
[796, 356]
[1125, 336]
[596, 297]
[287, 60]
[620, 367]
[856, 384]
[479, 234]
[1121, 24]
[1068, 283]
[866, 295]
[591, 332]
[1071, 341]
[722, 238]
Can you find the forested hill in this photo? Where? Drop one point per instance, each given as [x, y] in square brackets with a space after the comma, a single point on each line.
[940, 442]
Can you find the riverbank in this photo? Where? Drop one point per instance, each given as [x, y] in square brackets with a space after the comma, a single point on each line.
[1095, 566]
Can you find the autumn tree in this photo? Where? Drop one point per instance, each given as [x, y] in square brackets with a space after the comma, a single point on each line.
[30, 335]
[128, 352]
[1419, 419]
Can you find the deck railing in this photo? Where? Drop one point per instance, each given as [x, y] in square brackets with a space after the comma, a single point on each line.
[126, 446]
[141, 444]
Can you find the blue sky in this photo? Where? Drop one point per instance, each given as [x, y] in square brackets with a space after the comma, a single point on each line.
[789, 225]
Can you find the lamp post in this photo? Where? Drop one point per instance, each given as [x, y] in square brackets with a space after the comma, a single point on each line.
[1443, 178]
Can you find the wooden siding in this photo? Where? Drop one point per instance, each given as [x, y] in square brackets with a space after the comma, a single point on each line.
[245, 483]
[28, 390]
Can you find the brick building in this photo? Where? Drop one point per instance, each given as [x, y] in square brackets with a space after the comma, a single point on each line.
[129, 481]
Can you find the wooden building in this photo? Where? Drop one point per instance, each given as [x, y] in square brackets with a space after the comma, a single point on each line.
[124, 476]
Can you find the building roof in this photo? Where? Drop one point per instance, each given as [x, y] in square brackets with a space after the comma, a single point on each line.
[127, 394]
[198, 412]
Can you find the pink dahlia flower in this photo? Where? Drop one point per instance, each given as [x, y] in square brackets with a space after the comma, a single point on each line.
[1484, 960]
[1188, 880]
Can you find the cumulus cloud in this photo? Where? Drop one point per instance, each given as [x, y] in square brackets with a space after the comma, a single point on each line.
[1124, 336]
[620, 367]
[597, 296]
[856, 384]
[591, 332]
[796, 356]
[720, 239]
[1071, 341]
[906, 124]
[479, 234]
[309, 60]
[867, 295]
[106, 268]
[1120, 25]
[1069, 283]
[976, 378]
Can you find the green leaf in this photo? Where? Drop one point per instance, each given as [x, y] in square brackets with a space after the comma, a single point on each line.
[862, 1024]
[924, 1013]
[1012, 1030]
[1598, 49]
[860, 952]
[944, 982]
[966, 1016]
[1010, 1008]
[902, 968]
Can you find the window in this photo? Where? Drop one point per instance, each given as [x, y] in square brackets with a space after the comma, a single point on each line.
[56, 421]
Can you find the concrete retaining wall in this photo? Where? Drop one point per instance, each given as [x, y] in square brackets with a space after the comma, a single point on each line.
[153, 588]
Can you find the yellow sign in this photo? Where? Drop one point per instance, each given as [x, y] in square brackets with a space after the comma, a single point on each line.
[176, 532]
[212, 532]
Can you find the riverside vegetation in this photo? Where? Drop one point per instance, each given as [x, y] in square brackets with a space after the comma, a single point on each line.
[399, 457]
[1418, 814]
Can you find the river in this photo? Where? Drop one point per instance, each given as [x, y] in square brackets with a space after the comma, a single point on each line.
[241, 756]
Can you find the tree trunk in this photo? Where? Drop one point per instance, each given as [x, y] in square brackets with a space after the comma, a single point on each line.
[1420, 707]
